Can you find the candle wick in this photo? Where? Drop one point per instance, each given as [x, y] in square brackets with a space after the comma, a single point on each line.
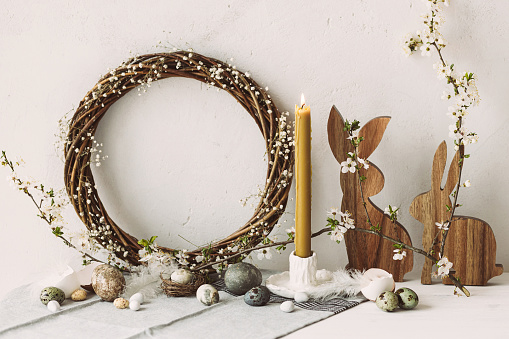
[302, 105]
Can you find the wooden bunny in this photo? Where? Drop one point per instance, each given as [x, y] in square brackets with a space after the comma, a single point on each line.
[367, 250]
[470, 244]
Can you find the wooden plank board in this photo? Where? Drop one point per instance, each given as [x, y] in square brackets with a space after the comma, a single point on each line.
[470, 243]
[367, 250]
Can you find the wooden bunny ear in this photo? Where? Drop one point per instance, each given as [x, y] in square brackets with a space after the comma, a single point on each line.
[453, 175]
[437, 172]
[372, 132]
[338, 142]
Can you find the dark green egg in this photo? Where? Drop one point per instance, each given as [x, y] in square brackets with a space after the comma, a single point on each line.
[241, 277]
[52, 293]
[408, 299]
[257, 296]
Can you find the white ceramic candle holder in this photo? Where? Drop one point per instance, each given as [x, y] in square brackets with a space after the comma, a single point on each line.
[302, 277]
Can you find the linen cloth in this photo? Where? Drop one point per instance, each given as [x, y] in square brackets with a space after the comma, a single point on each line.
[22, 315]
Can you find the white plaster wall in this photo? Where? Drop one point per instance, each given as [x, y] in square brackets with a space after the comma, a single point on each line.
[181, 156]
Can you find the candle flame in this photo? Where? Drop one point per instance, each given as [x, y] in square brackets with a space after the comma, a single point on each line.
[302, 100]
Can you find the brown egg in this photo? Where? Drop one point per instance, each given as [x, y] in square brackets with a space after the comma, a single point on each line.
[79, 295]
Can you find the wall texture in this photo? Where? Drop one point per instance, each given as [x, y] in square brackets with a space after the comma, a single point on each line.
[181, 156]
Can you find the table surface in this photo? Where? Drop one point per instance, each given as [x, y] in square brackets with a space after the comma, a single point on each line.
[440, 313]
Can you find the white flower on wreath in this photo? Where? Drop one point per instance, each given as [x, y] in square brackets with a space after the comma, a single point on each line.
[348, 166]
[264, 253]
[444, 265]
[398, 254]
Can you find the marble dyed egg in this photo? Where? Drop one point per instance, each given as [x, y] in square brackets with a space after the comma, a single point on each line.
[108, 282]
[52, 293]
[408, 299]
[182, 276]
[241, 277]
[257, 296]
[207, 294]
[54, 306]
[387, 301]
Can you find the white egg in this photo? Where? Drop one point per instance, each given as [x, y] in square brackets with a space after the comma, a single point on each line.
[137, 297]
[54, 306]
[287, 306]
[134, 305]
[301, 297]
[182, 276]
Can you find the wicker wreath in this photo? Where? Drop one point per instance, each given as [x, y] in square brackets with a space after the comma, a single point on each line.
[140, 72]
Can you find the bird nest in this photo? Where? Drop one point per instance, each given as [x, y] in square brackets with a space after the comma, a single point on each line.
[173, 289]
[139, 72]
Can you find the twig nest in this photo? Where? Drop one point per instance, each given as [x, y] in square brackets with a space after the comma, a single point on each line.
[387, 301]
[134, 305]
[376, 281]
[121, 303]
[53, 306]
[207, 294]
[52, 293]
[137, 297]
[79, 295]
[257, 296]
[241, 277]
[108, 282]
[287, 306]
[301, 297]
[408, 299]
[182, 276]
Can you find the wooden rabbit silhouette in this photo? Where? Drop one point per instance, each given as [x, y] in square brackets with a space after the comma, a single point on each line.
[367, 250]
[470, 243]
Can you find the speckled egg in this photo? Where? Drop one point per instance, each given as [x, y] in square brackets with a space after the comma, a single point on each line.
[108, 282]
[121, 303]
[241, 277]
[52, 293]
[79, 295]
[408, 299]
[257, 296]
[207, 294]
[387, 301]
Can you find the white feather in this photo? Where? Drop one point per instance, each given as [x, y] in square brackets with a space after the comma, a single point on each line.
[344, 284]
[146, 280]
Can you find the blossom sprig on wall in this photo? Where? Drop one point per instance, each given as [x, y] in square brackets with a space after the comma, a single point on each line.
[50, 204]
[463, 93]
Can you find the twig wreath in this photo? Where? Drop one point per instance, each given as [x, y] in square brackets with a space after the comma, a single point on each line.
[139, 72]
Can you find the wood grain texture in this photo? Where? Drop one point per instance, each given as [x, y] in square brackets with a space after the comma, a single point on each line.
[470, 243]
[367, 250]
